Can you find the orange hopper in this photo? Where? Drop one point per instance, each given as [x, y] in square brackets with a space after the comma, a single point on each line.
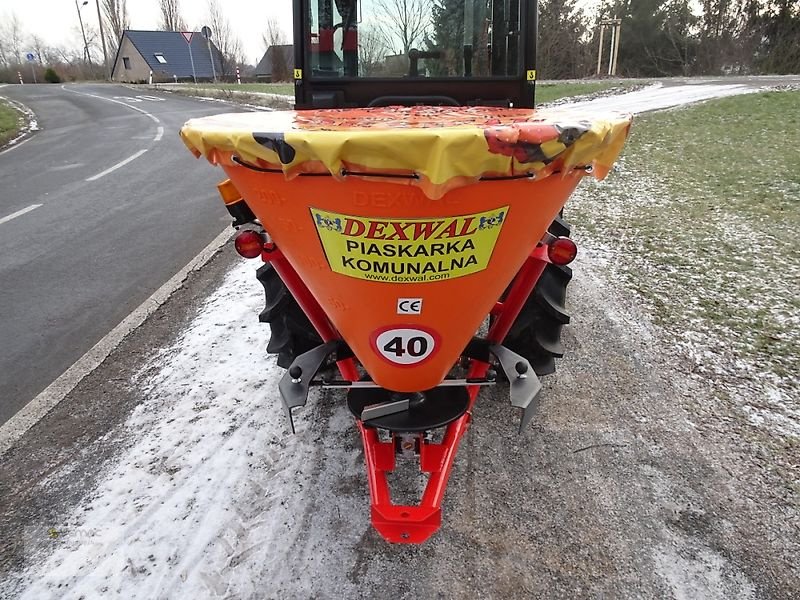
[399, 229]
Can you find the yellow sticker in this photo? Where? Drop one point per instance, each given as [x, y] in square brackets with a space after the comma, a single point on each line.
[532, 75]
[409, 250]
[298, 73]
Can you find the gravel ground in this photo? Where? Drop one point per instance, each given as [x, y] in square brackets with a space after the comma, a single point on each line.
[617, 489]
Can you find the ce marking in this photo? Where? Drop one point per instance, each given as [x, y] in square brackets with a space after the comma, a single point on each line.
[409, 306]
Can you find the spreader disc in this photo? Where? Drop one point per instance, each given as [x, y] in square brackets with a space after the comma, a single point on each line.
[440, 406]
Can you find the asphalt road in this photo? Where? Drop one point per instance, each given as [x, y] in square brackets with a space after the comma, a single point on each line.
[94, 242]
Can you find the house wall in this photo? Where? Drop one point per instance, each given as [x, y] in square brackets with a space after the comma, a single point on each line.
[139, 71]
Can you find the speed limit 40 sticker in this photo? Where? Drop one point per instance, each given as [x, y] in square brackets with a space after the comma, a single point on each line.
[405, 346]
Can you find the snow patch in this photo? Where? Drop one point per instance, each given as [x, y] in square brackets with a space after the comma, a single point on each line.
[30, 125]
[659, 97]
[209, 443]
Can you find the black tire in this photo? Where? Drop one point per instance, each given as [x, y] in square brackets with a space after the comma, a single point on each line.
[536, 334]
[292, 333]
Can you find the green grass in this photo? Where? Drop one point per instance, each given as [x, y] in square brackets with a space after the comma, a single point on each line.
[267, 88]
[548, 92]
[10, 122]
[701, 219]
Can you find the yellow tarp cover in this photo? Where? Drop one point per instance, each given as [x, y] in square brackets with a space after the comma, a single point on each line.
[442, 147]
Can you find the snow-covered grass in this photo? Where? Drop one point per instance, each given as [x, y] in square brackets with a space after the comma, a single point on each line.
[16, 120]
[285, 89]
[558, 90]
[9, 122]
[270, 97]
[701, 218]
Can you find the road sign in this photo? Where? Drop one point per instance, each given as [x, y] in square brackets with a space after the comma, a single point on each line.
[206, 31]
[30, 56]
[187, 35]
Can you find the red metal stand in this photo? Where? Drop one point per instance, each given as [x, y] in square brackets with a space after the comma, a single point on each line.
[401, 523]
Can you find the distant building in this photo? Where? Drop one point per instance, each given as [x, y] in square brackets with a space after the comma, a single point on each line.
[276, 64]
[166, 54]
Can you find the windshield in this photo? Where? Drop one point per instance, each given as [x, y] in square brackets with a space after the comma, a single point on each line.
[414, 38]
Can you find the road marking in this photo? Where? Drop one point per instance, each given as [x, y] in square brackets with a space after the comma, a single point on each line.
[13, 429]
[17, 144]
[119, 165]
[19, 213]
[154, 118]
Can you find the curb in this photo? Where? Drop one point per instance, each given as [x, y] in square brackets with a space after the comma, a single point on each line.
[52, 395]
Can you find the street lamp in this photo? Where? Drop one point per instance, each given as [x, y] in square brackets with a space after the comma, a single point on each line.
[86, 54]
[206, 31]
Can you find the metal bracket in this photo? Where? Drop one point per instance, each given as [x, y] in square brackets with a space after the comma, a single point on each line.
[523, 382]
[295, 383]
[376, 411]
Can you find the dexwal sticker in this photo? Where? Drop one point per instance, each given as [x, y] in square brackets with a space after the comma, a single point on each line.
[409, 250]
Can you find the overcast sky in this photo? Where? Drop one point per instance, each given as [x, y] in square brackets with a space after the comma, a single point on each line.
[56, 21]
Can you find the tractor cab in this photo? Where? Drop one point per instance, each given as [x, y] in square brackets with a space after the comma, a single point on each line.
[357, 53]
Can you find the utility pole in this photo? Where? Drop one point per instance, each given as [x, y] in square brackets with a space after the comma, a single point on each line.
[106, 73]
[86, 54]
[206, 31]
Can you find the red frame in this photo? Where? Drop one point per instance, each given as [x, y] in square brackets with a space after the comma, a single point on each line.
[403, 523]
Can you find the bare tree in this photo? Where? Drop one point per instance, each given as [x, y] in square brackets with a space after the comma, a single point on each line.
[273, 34]
[407, 20]
[117, 21]
[11, 39]
[372, 49]
[275, 45]
[171, 19]
[3, 49]
[37, 45]
[226, 40]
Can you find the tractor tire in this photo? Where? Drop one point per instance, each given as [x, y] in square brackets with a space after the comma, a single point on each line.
[536, 334]
[292, 333]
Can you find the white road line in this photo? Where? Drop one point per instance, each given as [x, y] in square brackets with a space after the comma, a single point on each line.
[19, 213]
[36, 409]
[120, 164]
[16, 144]
[154, 118]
